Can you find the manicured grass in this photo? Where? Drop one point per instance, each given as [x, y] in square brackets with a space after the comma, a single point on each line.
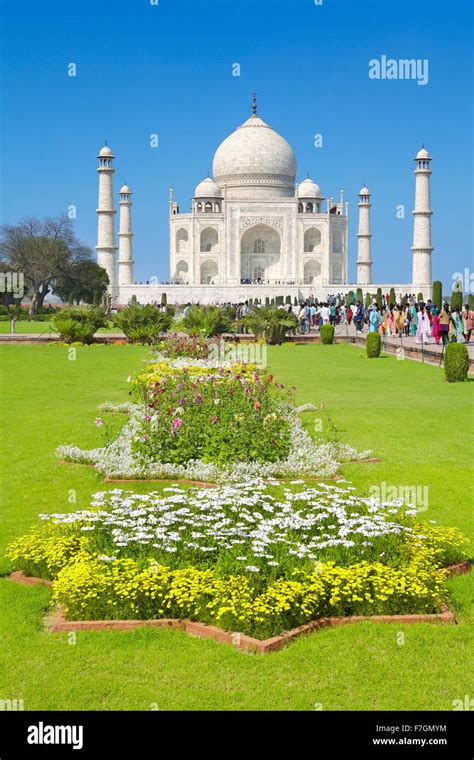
[415, 422]
[24, 327]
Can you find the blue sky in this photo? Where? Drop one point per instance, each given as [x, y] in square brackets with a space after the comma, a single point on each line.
[167, 69]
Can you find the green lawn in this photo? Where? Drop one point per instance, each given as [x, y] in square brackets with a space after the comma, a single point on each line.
[404, 411]
[23, 327]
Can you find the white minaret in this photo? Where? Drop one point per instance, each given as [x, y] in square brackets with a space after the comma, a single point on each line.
[106, 248]
[364, 261]
[125, 260]
[422, 248]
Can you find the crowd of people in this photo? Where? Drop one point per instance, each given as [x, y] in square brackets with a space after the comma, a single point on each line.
[407, 317]
[422, 321]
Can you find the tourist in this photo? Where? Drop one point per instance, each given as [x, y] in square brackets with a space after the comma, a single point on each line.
[374, 319]
[423, 330]
[467, 318]
[444, 322]
[359, 317]
[435, 326]
[458, 325]
[414, 320]
[325, 313]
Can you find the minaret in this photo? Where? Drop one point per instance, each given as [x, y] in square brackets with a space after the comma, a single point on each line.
[125, 260]
[422, 248]
[106, 248]
[364, 261]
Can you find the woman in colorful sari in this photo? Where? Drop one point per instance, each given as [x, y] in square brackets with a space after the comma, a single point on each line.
[414, 320]
[435, 326]
[374, 319]
[423, 330]
[458, 325]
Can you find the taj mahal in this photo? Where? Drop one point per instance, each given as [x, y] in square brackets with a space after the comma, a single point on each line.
[253, 232]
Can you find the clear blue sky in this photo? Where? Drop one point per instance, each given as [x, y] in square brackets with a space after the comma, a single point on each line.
[167, 69]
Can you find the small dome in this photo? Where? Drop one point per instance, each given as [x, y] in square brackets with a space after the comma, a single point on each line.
[105, 151]
[125, 190]
[423, 153]
[364, 191]
[208, 189]
[309, 189]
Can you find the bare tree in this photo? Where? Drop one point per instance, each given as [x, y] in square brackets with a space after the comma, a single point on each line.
[43, 250]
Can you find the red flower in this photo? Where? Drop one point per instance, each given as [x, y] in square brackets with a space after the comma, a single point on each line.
[257, 405]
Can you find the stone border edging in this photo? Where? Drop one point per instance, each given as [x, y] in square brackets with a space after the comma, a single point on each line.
[56, 621]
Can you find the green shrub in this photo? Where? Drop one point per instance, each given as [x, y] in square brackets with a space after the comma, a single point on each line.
[359, 296]
[206, 321]
[164, 299]
[368, 300]
[143, 323]
[456, 299]
[378, 297]
[392, 295]
[420, 297]
[66, 329]
[456, 363]
[327, 334]
[270, 323]
[86, 315]
[470, 301]
[437, 294]
[373, 343]
[350, 298]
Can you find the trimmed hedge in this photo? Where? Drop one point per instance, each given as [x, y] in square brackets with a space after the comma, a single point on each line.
[456, 363]
[437, 294]
[327, 334]
[373, 344]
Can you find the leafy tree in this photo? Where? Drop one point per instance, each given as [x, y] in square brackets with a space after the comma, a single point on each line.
[378, 297]
[44, 251]
[368, 299]
[392, 296]
[359, 296]
[350, 298]
[420, 297]
[87, 282]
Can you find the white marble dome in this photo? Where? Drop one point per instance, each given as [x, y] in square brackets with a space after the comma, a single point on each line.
[208, 189]
[364, 190]
[125, 190]
[105, 152]
[255, 161]
[423, 153]
[309, 189]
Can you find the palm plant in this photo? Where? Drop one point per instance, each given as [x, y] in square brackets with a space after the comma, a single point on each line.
[206, 321]
[270, 323]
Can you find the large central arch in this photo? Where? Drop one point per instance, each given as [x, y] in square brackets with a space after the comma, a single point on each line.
[260, 249]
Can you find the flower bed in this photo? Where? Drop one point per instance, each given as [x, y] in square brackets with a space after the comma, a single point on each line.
[195, 422]
[255, 559]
